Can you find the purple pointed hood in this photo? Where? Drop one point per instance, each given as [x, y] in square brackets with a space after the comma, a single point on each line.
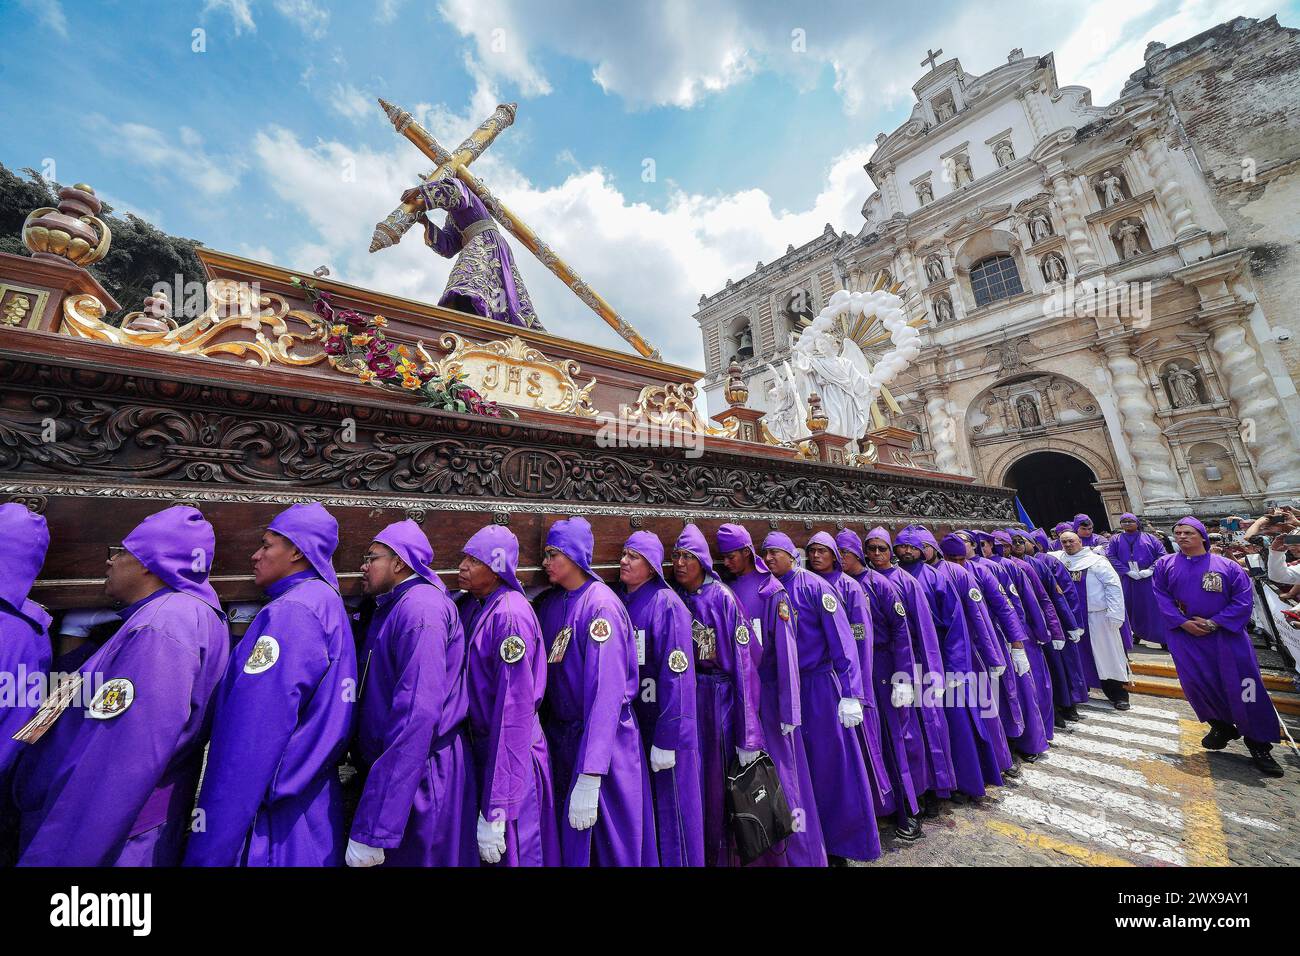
[1193, 523]
[1080, 519]
[1041, 539]
[498, 548]
[648, 545]
[177, 544]
[1061, 527]
[733, 537]
[953, 546]
[1129, 516]
[781, 541]
[574, 538]
[410, 543]
[825, 540]
[24, 539]
[314, 532]
[1001, 543]
[849, 540]
[692, 539]
[917, 536]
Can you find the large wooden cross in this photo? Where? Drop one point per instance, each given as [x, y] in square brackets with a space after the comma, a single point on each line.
[932, 56]
[390, 231]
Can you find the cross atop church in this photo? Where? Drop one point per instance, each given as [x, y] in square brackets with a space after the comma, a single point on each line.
[933, 55]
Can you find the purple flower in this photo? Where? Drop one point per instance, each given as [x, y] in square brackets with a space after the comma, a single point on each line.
[382, 365]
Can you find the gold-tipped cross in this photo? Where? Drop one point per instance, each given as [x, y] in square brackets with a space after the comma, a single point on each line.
[390, 231]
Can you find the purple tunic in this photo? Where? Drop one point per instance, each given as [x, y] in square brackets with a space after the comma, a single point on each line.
[665, 707]
[1144, 549]
[592, 729]
[1003, 621]
[25, 650]
[1069, 682]
[510, 752]
[1219, 672]
[1036, 686]
[112, 783]
[829, 670]
[419, 802]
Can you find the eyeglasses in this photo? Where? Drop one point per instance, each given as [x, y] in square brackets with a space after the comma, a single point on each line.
[549, 553]
[114, 550]
[370, 557]
[877, 547]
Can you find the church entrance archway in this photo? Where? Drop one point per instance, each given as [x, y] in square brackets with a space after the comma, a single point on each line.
[1054, 487]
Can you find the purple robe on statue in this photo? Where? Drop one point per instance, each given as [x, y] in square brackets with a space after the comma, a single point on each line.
[1219, 672]
[25, 649]
[112, 783]
[419, 802]
[829, 671]
[505, 689]
[592, 728]
[485, 280]
[934, 771]
[1139, 548]
[665, 706]
[727, 692]
[284, 716]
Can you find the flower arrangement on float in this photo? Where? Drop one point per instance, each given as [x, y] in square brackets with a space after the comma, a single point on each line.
[356, 343]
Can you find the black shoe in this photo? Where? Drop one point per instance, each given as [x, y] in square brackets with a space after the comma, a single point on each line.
[908, 829]
[1121, 704]
[1220, 736]
[1261, 757]
[832, 860]
[1072, 714]
[1058, 721]
[1027, 758]
[1013, 772]
[932, 804]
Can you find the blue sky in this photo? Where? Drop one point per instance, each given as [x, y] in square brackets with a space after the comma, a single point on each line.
[757, 116]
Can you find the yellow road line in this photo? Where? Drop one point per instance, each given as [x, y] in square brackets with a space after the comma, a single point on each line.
[1202, 824]
[1041, 841]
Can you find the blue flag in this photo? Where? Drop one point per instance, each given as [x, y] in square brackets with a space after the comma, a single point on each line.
[1023, 515]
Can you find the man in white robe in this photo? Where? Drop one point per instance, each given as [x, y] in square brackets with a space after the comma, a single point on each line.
[1105, 664]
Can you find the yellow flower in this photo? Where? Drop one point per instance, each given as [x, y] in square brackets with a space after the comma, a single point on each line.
[366, 375]
[380, 321]
[338, 329]
[403, 351]
[360, 340]
[411, 382]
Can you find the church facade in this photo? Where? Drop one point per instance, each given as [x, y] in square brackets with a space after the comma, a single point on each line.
[1108, 293]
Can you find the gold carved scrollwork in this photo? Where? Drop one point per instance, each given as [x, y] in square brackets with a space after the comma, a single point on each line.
[238, 321]
[512, 372]
[672, 406]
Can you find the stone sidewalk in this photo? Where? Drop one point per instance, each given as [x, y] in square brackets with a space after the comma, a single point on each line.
[1124, 789]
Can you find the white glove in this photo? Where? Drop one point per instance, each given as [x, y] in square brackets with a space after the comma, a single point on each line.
[1076, 635]
[358, 854]
[902, 695]
[1019, 661]
[1135, 575]
[997, 670]
[491, 840]
[583, 801]
[1147, 573]
[787, 730]
[850, 711]
[662, 759]
[746, 757]
[1058, 645]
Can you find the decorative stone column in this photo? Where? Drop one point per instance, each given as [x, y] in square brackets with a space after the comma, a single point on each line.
[1151, 457]
[891, 190]
[1156, 155]
[1034, 110]
[943, 430]
[1076, 229]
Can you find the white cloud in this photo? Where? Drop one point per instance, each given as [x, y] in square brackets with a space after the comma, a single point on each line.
[241, 13]
[650, 264]
[181, 156]
[310, 18]
[386, 10]
[50, 13]
[351, 102]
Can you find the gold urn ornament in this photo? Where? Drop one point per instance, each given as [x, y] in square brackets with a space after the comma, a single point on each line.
[817, 420]
[737, 392]
[73, 232]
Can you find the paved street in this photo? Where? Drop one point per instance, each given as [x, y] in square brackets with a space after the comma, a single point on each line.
[1124, 789]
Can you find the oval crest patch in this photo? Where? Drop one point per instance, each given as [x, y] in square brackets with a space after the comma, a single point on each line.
[112, 699]
[512, 649]
[599, 630]
[263, 655]
[677, 662]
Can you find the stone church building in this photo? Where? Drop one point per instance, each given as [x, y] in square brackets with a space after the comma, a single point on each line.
[1109, 293]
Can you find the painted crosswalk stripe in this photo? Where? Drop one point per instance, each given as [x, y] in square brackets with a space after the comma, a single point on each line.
[1251, 821]
[1086, 826]
[1138, 723]
[1099, 749]
[1124, 776]
[1133, 709]
[1113, 733]
[1144, 808]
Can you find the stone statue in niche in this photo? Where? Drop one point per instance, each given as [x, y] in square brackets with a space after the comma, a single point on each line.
[924, 194]
[1128, 234]
[961, 171]
[1040, 225]
[1004, 154]
[1184, 387]
[1053, 268]
[933, 268]
[1111, 188]
[943, 110]
[1027, 411]
[942, 309]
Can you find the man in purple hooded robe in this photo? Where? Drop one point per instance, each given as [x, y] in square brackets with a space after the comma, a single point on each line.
[1206, 600]
[972, 660]
[1133, 553]
[1025, 590]
[112, 783]
[665, 706]
[1082, 526]
[419, 804]
[931, 763]
[1100, 597]
[831, 692]
[595, 744]
[1068, 685]
[284, 713]
[888, 668]
[25, 649]
[727, 686]
[485, 280]
[505, 680]
[766, 606]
